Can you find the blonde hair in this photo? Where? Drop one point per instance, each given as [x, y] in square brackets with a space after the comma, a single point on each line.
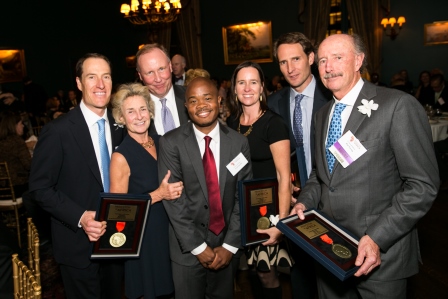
[129, 90]
[194, 73]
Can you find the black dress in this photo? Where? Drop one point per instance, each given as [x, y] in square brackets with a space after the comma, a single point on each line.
[150, 275]
[268, 129]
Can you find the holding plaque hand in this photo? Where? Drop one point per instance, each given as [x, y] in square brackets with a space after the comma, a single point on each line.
[93, 229]
[275, 236]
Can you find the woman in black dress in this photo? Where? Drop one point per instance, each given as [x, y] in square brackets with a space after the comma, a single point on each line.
[133, 169]
[270, 155]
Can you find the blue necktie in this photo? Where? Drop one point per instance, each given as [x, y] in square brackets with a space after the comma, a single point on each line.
[167, 117]
[298, 129]
[334, 133]
[104, 153]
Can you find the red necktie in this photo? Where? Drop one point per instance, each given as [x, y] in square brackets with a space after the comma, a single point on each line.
[216, 223]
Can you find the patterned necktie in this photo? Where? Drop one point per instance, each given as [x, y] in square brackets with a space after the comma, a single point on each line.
[216, 223]
[298, 129]
[104, 153]
[167, 117]
[334, 133]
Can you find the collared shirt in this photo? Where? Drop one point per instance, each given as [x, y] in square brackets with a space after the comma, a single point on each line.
[171, 104]
[180, 81]
[437, 95]
[307, 116]
[215, 147]
[349, 100]
[91, 120]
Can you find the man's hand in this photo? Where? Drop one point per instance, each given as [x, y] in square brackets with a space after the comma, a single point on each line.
[93, 229]
[206, 257]
[222, 258]
[298, 209]
[275, 236]
[368, 256]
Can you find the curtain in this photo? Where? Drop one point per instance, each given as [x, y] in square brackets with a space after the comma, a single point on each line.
[365, 19]
[314, 15]
[189, 31]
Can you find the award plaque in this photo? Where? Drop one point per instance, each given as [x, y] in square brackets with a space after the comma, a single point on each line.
[258, 200]
[126, 216]
[328, 243]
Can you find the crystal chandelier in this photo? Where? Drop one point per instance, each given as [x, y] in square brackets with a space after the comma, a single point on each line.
[151, 12]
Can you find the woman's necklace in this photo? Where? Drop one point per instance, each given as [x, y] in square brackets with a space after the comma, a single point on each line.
[148, 144]
[250, 127]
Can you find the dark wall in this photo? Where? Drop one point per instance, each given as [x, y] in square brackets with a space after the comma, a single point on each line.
[53, 42]
[282, 13]
[407, 50]
[55, 34]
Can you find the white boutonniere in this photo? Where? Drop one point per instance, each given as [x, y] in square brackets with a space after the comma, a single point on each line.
[118, 126]
[367, 107]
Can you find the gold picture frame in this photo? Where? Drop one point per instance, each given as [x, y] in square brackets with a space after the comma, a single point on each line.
[251, 41]
[12, 65]
[436, 33]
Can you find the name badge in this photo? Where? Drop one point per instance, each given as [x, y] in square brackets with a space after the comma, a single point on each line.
[237, 164]
[347, 149]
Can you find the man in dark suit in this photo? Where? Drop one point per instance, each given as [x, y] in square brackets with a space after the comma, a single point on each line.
[154, 69]
[201, 256]
[295, 55]
[440, 92]
[67, 177]
[381, 195]
[178, 64]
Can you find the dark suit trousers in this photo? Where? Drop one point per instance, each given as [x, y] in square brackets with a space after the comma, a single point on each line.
[198, 282]
[103, 279]
[330, 287]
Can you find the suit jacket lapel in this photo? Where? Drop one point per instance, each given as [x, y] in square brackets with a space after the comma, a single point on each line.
[225, 146]
[81, 134]
[323, 138]
[195, 157]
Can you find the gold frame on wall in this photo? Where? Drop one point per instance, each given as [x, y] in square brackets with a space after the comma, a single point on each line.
[251, 41]
[12, 65]
[436, 33]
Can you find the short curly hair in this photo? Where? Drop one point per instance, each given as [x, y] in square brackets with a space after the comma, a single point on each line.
[125, 91]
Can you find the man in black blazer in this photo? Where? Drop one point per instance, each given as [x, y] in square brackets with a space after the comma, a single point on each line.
[295, 55]
[154, 68]
[201, 256]
[66, 180]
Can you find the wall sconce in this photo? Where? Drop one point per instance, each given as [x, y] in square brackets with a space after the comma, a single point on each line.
[392, 21]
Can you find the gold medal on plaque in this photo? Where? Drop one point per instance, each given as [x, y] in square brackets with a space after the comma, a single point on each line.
[118, 239]
[263, 222]
[338, 249]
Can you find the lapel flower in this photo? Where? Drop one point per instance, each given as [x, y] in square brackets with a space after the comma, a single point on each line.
[367, 107]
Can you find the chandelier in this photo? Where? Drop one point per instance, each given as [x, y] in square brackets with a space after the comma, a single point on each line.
[151, 12]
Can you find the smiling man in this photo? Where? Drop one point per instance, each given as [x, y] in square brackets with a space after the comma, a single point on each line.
[205, 220]
[154, 68]
[381, 193]
[68, 172]
[297, 105]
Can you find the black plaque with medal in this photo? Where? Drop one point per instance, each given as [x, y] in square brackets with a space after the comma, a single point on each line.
[258, 200]
[126, 216]
[328, 243]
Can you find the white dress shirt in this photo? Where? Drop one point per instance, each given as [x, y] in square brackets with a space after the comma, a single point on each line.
[171, 104]
[215, 147]
[306, 105]
[349, 100]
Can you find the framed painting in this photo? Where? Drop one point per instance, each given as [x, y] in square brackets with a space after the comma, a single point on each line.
[12, 65]
[252, 41]
[436, 33]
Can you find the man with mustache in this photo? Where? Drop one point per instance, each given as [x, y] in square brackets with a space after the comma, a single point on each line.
[295, 55]
[380, 194]
[154, 69]
[205, 221]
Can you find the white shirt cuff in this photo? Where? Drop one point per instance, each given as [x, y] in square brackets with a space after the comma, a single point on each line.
[230, 248]
[79, 222]
[199, 249]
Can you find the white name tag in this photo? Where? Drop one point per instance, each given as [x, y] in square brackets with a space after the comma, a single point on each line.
[237, 164]
[347, 149]
[441, 101]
